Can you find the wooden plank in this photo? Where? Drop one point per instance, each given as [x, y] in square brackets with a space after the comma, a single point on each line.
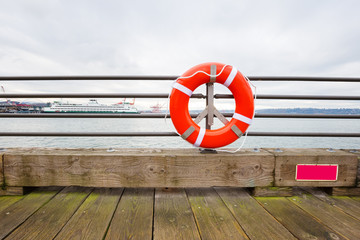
[272, 191]
[6, 201]
[320, 193]
[1, 170]
[93, 217]
[346, 191]
[17, 213]
[357, 153]
[214, 219]
[138, 168]
[346, 204]
[248, 212]
[296, 220]
[133, 218]
[11, 191]
[173, 216]
[332, 217]
[48, 220]
[286, 161]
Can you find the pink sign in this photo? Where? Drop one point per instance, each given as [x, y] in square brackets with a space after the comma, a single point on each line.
[316, 172]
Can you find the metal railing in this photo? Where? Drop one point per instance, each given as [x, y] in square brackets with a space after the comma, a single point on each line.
[165, 95]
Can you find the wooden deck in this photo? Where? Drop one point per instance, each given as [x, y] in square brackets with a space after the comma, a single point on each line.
[191, 213]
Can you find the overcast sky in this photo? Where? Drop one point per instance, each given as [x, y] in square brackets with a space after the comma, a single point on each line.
[138, 37]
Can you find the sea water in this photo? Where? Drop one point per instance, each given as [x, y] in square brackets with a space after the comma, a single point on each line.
[160, 125]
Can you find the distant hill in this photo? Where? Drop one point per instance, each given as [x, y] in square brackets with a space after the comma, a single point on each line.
[311, 110]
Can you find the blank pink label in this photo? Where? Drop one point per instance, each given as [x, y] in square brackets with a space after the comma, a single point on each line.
[313, 172]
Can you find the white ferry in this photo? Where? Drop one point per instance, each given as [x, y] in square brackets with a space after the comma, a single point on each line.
[91, 107]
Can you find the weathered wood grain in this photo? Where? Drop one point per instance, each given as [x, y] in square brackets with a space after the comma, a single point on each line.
[133, 218]
[49, 219]
[345, 191]
[18, 212]
[93, 217]
[253, 218]
[286, 161]
[173, 216]
[271, 191]
[357, 153]
[1, 170]
[348, 205]
[345, 203]
[11, 191]
[328, 215]
[226, 213]
[214, 219]
[138, 168]
[296, 220]
[357, 199]
[6, 201]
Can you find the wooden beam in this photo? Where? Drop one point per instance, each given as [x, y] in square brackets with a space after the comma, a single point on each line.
[138, 168]
[272, 191]
[287, 159]
[357, 153]
[1, 170]
[11, 191]
[345, 191]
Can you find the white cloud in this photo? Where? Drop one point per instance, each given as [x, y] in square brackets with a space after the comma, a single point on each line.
[298, 38]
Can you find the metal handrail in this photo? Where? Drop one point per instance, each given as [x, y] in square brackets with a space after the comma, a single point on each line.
[171, 78]
[165, 95]
[162, 115]
[167, 134]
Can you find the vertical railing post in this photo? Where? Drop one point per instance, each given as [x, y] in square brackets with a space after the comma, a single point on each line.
[210, 97]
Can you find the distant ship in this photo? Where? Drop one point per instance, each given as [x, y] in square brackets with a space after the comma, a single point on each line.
[91, 107]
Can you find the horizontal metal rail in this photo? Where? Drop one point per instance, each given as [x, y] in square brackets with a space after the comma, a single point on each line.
[294, 97]
[162, 115]
[166, 134]
[165, 95]
[171, 78]
[90, 95]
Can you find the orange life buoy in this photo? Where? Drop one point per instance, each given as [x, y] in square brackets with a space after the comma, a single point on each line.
[179, 101]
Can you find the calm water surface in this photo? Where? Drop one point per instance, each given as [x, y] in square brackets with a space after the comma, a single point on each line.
[154, 125]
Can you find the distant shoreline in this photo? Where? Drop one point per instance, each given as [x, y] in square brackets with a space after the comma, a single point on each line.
[270, 110]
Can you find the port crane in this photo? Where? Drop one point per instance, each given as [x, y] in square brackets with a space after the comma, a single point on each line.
[3, 89]
[157, 108]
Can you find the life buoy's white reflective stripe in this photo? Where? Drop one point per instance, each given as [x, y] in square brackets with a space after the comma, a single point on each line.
[182, 88]
[231, 77]
[200, 137]
[242, 118]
